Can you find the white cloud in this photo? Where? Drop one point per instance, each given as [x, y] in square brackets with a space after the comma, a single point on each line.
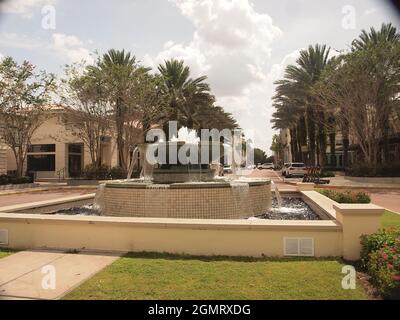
[14, 40]
[24, 8]
[254, 108]
[62, 45]
[370, 11]
[70, 46]
[231, 44]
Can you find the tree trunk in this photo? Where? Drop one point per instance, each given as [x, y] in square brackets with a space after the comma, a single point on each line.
[302, 137]
[346, 143]
[20, 164]
[311, 134]
[119, 114]
[322, 146]
[385, 140]
[332, 145]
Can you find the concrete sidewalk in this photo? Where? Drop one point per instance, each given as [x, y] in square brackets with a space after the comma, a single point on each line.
[48, 274]
[28, 197]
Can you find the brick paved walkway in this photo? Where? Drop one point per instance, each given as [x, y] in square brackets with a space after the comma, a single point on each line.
[13, 199]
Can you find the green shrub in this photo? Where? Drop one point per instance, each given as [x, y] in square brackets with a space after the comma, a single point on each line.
[8, 179]
[363, 197]
[391, 169]
[380, 256]
[346, 196]
[92, 172]
[327, 174]
[118, 173]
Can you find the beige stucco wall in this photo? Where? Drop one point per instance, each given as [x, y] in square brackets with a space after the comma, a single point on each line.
[179, 236]
[53, 131]
[3, 159]
[337, 237]
[357, 220]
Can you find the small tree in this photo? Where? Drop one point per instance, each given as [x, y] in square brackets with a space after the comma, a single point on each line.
[148, 106]
[260, 156]
[277, 147]
[23, 98]
[88, 111]
[363, 92]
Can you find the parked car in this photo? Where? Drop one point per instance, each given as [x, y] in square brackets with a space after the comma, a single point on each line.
[267, 166]
[297, 169]
[251, 167]
[285, 166]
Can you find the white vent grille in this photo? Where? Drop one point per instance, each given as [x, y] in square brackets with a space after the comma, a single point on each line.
[3, 237]
[298, 247]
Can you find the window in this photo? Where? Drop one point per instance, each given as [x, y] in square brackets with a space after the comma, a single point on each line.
[75, 148]
[42, 162]
[39, 148]
[298, 165]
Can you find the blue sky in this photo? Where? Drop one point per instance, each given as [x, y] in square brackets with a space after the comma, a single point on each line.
[242, 45]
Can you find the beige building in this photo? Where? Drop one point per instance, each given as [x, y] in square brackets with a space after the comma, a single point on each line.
[3, 159]
[56, 152]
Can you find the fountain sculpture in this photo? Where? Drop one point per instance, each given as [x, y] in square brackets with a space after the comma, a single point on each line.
[181, 189]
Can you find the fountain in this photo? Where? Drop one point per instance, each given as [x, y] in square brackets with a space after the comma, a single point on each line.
[177, 188]
[277, 194]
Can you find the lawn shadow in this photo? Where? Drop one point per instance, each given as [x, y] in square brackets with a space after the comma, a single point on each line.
[215, 258]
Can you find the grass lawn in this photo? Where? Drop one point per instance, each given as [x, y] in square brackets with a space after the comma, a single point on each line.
[164, 276]
[390, 219]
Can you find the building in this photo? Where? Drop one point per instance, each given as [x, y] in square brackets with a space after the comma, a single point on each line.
[56, 152]
[3, 158]
[285, 139]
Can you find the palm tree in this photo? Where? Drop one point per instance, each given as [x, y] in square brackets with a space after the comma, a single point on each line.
[387, 33]
[118, 68]
[296, 92]
[214, 117]
[187, 96]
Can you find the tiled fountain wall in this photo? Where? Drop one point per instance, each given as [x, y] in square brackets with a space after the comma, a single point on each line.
[188, 200]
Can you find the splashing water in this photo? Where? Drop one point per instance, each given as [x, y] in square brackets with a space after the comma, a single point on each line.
[135, 159]
[98, 203]
[241, 198]
[277, 194]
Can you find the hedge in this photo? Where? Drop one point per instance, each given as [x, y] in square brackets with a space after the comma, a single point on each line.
[380, 256]
[8, 179]
[346, 196]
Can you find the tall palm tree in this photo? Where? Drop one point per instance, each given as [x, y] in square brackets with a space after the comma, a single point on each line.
[118, 68]
[387, 33]
[188, 97]
[296, 89]
[214, 117]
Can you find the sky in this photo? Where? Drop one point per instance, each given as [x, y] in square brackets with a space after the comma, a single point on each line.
[243, 46]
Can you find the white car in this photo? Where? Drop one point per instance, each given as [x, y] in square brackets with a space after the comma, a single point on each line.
[227, 169]
[285, 166]
[294, 169]
[267, 166]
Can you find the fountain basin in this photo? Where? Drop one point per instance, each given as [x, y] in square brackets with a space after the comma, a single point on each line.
[201, 200]
[182, 175]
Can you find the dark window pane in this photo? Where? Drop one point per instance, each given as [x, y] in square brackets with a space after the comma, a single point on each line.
[42, 148]
[42, 163]
[75, 148]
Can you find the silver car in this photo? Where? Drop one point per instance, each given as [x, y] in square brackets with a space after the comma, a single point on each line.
[297, 169]
[267, 166]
